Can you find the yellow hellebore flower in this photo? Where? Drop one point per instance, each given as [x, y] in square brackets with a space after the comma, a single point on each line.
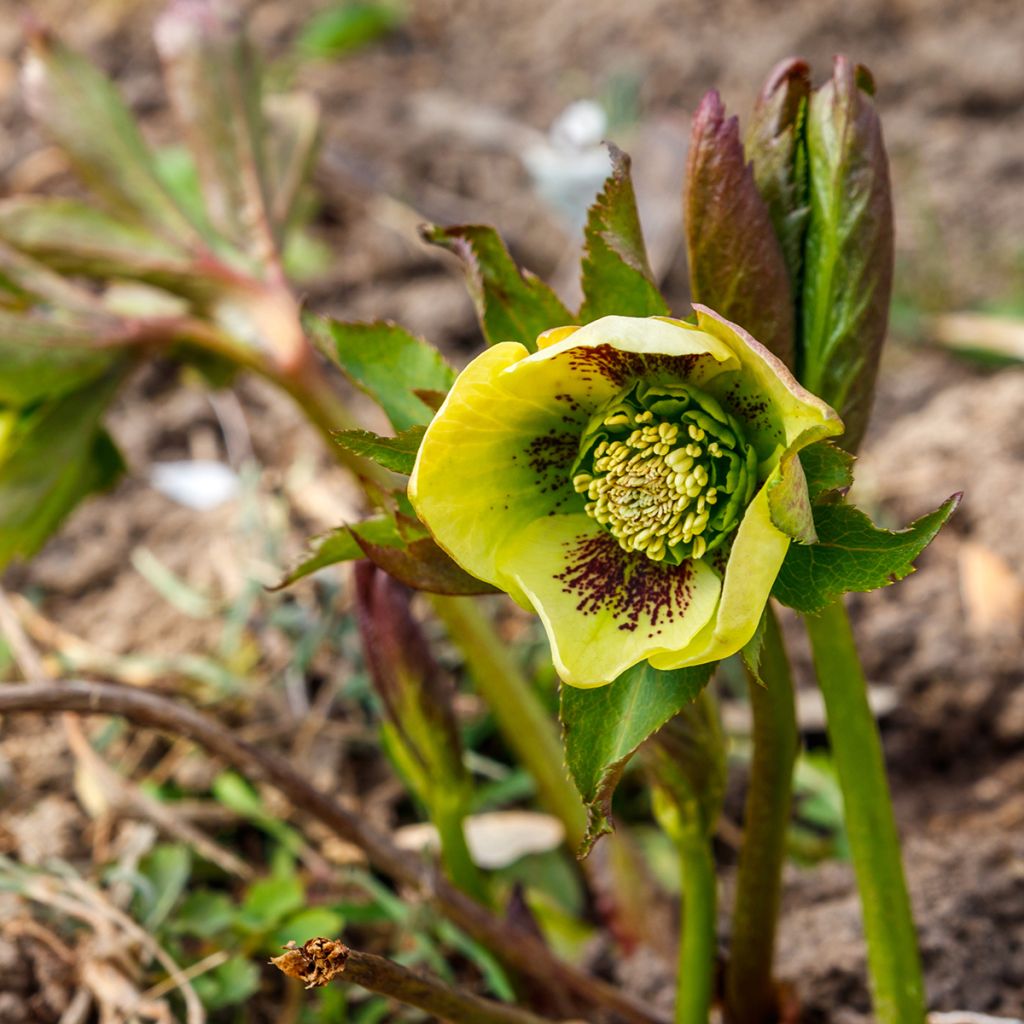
[634, 481]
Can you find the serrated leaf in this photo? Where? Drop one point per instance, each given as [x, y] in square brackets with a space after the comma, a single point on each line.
[82, 111]
[395, 453]
[751, 651]
[512, 304]
[602, 728]
[617, 278]
[422, 565]
[75, 238]
[827, 469]
[341, 546]
[54, 456]
[848, 257]
[852, 554]
[389, 364]
[775, 147]
[736, 261]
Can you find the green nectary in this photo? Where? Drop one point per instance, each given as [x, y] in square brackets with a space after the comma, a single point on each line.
[666, 470]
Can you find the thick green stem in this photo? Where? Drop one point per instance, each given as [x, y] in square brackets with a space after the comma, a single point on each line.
[448, 813]
[893, 960]
[697, 942]
[749, 991]
[522, 718]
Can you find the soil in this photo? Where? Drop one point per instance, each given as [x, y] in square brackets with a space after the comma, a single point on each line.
[430, 124]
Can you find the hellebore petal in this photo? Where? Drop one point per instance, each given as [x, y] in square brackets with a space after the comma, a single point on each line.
[605, 610]
[758, 552]
[634, 481]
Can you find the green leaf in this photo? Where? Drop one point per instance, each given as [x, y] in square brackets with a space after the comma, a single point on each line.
[389, 364]
[345, 27]
[602, 728]
[212, 80]
[75, 238]
[228, 984]
[752, 650]
[827, 469]
[512, 304]
[852, 554]
[54, 456]
[82, 111]
[617, 279]
[848, 261]
[775, 147]
[203, 914]
[341, 546]
[397, 453]
[167, 867]
[736, 261]
[305, 925]
[43, 357]
[270, 900]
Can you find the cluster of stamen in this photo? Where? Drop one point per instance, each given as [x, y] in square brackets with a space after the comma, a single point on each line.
[655, 488]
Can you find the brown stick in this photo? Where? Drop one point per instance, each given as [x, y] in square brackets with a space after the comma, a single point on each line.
[518, 948]
[321, 961]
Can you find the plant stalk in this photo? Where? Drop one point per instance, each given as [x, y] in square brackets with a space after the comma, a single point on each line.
[448, 813]
[697, 942]
[750, 996]
[522, 718]
[894, 963]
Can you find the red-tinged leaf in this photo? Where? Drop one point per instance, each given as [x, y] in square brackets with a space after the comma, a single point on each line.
[214, 88]
[775, 147]
[75, 238]
[736, 262]
[617, 278]
[81, 110]
[512, 304]
[848, 259]
[422, 565]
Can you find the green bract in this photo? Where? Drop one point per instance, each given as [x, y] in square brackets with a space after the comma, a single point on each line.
[634, 481]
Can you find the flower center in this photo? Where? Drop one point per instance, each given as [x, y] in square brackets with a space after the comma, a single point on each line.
[666, 470]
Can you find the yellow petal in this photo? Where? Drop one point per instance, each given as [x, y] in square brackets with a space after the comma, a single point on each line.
[604, 609]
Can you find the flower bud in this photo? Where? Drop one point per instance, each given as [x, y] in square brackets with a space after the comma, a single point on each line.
[848, 254]
[736, 262]
[774, 145]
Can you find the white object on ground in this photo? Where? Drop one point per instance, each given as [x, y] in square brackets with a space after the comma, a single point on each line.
[201, 484]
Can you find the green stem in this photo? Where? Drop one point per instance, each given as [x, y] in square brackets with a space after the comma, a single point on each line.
[893, 960]
[524, 721]
[448, 813]
[749, 992]
[697, 942]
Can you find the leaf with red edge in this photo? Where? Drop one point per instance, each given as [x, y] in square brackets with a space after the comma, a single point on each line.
[617, 278]
[512, 304]
[736, 262]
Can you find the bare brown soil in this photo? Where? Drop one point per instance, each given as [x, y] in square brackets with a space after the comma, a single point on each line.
[413, 118]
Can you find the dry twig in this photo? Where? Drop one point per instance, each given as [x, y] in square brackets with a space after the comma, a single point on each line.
[321, 961]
